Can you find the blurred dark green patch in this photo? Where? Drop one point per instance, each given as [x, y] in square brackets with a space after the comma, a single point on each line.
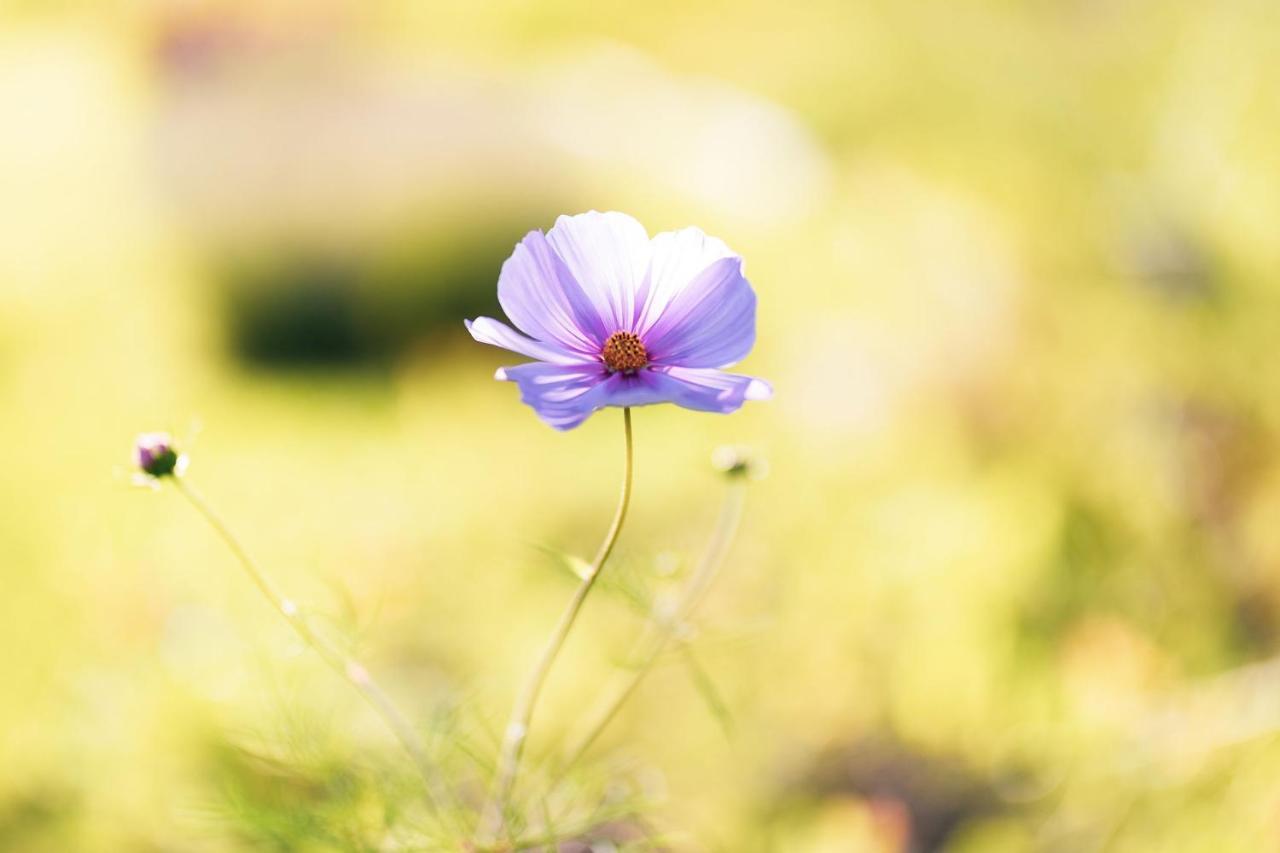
[315, 307]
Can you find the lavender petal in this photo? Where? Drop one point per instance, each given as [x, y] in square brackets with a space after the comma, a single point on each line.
[608, 253]
[563, 396]
[487, 330]
[710, 323]
[677, 257]
[544, 300]
[708, 390]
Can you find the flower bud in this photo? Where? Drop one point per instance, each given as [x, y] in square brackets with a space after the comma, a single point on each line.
[155, 455]
[739, 461]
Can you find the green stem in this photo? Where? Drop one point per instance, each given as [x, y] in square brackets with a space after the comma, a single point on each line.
[663, 629]
[342, 663]
[493, 817]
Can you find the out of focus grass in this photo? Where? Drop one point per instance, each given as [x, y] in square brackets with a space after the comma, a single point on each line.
[1017, 271]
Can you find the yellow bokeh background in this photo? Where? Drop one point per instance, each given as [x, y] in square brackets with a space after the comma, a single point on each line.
[1012, 581]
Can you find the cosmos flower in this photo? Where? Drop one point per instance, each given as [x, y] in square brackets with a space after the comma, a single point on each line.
[617, 319]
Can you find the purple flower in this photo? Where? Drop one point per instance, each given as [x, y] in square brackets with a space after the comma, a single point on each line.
[617, 319]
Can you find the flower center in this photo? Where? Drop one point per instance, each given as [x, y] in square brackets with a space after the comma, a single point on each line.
[624, 351]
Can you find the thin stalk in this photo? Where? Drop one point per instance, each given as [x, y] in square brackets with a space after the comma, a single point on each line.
[493, 817]
[341, 662]
[664, 628]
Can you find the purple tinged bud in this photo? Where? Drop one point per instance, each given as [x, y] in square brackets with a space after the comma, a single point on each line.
[155, 455]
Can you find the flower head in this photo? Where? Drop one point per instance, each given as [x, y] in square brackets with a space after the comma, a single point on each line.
[614, 318]
[155, 455]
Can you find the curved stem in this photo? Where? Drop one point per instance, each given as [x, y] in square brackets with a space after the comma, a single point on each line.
[493, 818]
[663, 630]
[341, 662]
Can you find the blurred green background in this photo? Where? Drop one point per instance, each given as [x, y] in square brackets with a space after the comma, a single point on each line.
[1012, 583]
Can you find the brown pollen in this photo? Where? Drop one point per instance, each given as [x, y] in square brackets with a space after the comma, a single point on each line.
[625, 352]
